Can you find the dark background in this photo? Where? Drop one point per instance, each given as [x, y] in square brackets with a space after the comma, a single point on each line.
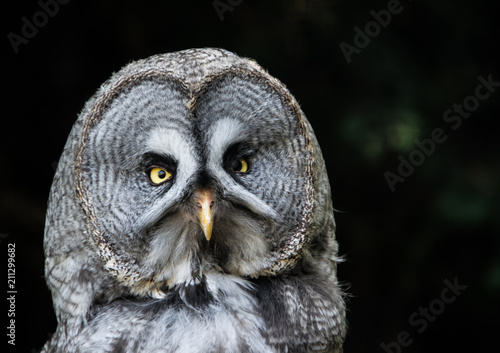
[400, 246]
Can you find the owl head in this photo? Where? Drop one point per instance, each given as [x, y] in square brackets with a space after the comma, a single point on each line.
[182, 164]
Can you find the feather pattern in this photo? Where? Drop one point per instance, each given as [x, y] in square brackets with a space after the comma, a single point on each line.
[129, 266]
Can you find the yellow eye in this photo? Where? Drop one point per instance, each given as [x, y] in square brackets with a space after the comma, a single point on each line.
[158, 175]
[240, 165]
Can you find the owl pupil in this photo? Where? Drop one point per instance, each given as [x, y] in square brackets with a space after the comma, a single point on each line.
[162, 174]
[237, 165]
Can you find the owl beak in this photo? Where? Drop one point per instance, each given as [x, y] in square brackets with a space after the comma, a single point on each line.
[205, 201]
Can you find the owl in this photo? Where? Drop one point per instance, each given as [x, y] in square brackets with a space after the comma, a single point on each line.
[191, 212]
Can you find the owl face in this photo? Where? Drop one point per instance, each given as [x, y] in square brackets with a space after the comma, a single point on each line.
[191, 204]
[177, 178]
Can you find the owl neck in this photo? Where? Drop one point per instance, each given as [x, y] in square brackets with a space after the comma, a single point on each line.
[189, 282]
[211, 288]
[195, 294]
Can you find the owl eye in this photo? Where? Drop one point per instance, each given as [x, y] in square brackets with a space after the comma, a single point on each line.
[158, 175]
[240, 165]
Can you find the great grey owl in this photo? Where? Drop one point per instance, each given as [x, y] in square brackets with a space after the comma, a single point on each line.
[191, 212]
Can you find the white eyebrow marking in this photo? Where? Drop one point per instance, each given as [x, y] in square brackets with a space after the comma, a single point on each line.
[173, 143]
[222, 134]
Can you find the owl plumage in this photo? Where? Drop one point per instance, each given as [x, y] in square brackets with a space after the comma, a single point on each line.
[191, 212]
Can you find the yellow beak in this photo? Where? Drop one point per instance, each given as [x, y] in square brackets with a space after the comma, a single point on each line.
[205, 201]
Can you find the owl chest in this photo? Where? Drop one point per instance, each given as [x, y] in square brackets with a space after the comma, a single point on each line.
[231, 315]
[240, 323]
[178, 328]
